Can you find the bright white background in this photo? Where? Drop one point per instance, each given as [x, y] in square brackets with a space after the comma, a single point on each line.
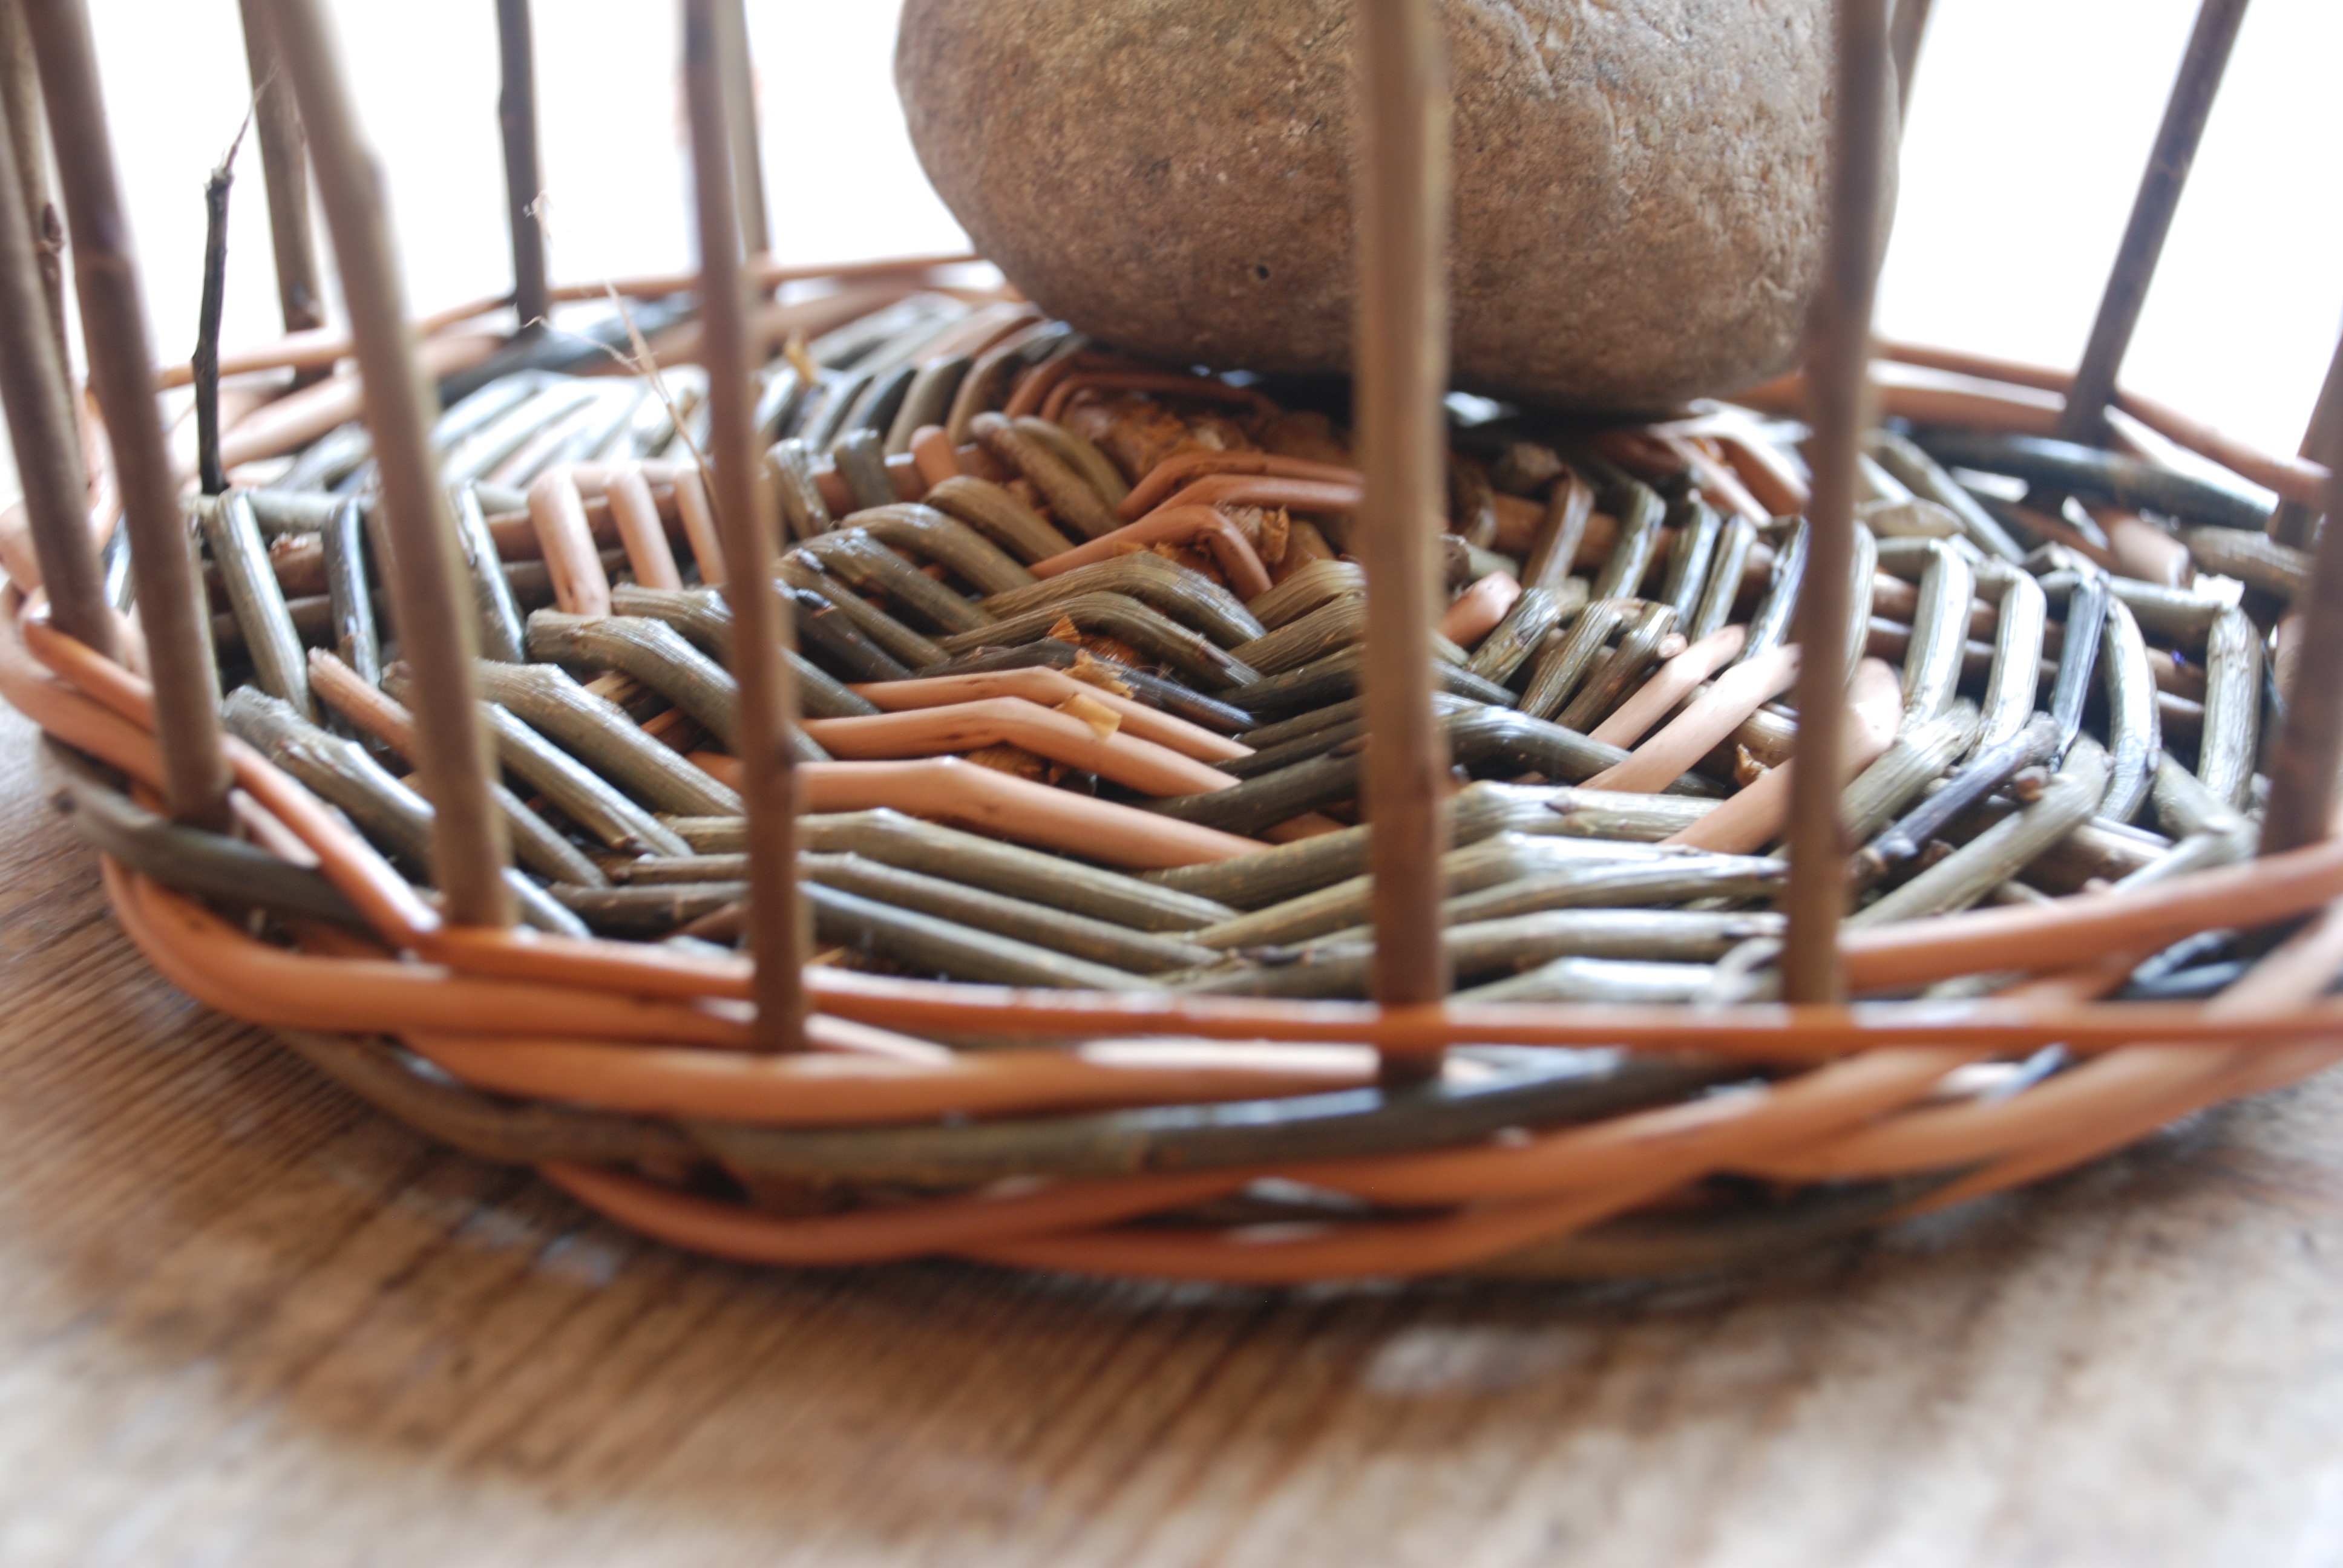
[2030, 122]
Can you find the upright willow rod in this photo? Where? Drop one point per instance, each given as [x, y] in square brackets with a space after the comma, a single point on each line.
[47, 438]
[285, 169]
[2293, 522]
[2309, 750]
[1838, 362]
[171, 608]
[20, 105]
[2085, 417]
[1400, 194]
[745, 518]
[1906, 32]
[430, 591]
[741, 119]
[516, 118]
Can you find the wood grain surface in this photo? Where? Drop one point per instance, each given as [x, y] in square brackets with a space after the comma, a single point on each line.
[245, 1321]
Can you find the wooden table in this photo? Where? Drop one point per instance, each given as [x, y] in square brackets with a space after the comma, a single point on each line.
[245, 1321]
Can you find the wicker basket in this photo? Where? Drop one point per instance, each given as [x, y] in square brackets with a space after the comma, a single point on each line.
[846, 1111]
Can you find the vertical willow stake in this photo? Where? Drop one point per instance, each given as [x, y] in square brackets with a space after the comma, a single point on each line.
[741, 119]
[1839, 357]
[285, 170]
[2310, 751]
[2294, 523]
[2085, 417]
[20, 103]
[517, 116]
[430, 592]
[39, 403]
[1399, 188]
[171, 608]
[744, 515]
[1905, 34]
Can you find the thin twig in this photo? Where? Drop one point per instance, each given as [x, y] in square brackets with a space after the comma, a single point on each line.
[645, 363]
[208, 319]
[802, 359]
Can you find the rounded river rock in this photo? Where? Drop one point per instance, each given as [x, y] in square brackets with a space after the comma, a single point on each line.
[1641, 184]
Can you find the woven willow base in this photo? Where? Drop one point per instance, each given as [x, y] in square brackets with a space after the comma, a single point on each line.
[1224, 1121]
